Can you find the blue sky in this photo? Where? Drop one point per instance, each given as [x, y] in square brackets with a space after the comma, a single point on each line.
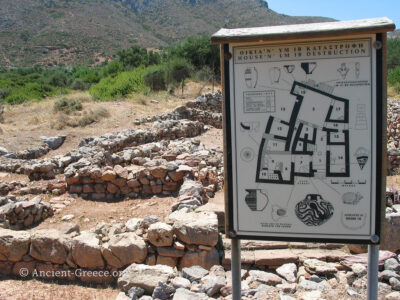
[339, 9]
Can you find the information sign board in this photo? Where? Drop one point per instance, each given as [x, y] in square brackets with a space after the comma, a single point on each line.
[303, 136]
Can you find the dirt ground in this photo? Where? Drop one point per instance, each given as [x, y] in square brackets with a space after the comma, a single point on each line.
[25, 123]
[11, 289]
[88, 213]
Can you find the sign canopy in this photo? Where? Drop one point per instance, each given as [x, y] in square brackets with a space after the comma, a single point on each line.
[304, 126]
[311, 30]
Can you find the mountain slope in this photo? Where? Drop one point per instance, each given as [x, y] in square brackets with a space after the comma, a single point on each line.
[50, 32]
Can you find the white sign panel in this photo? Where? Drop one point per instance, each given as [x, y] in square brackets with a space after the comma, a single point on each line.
[303, 127]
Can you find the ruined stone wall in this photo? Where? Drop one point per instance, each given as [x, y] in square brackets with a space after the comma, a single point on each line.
[19, 212]
[185, 239]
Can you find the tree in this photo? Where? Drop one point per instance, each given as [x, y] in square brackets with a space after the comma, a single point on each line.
[393, 53]
[133, 57]
[136, 56]
[199, 52]
[154, 77]
[178, 70]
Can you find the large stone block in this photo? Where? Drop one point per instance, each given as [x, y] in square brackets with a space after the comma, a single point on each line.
[13, 244]
[145, 277]
[123, 249]
[158, 171]
[205, 259]
[160, 234]
[191, 188]
[86, 251]
[49, 245]
[167, 260]
[391, 228]
[195, 228]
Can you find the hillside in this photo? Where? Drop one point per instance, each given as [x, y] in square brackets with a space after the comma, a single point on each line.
[51, 32]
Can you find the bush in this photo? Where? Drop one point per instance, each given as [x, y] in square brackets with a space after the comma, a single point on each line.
[78, 84]
[393, 53]
[204, 74]
[155, 78]
[119, 86]
[136, 56]
[67, 105]
[113, 67]
[63, 120]
[57, 77]
[394, 75]
[87, 75]
[178, 69]
[93, 116]
[133, 57]
[29, 91]
[4, 93]
[16, 97]
[198, 51]
[1, 112]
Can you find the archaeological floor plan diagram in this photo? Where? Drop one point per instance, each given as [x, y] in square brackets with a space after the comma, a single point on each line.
[303, 125]
[313, 131]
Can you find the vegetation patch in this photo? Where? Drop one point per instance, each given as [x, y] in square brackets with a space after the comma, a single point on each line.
[67, 105]
[80, 118]
[113, 87]
[134, 70]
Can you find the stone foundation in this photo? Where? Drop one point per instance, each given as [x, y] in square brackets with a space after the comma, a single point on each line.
[186, 239]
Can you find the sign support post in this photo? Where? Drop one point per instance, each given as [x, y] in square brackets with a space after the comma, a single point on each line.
[236, 269]
[373, 265]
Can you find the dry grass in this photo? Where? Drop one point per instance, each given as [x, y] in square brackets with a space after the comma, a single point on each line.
[25, 123]
[392, 93]
[1, 112]
[82, 119]
[36, 289]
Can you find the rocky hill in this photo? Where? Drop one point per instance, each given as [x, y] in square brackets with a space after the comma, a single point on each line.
[50, 32]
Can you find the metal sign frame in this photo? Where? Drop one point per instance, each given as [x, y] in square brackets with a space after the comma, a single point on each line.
[227, 39]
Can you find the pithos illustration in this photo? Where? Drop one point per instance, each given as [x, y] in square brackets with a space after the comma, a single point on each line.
[314, 210]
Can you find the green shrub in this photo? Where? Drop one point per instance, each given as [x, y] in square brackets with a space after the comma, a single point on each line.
[136, 56]
[155, 77]
[113, 67]
[203, 74]
[78, 84]
[16, 97]
[67, 105]
[57, 77]
[394, 75]
[30, 91]
[4, 92]
[87, 74]
[393, 53]
[198, 51]
[92, 77]
[118, 86]
[178, 69]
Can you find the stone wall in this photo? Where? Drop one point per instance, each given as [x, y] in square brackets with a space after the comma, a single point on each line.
[185, 239]
[18, 212]
[393, 134]
[49, 143]
[108, 144]
[157, 177]
[206, 109]
[55, 187]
